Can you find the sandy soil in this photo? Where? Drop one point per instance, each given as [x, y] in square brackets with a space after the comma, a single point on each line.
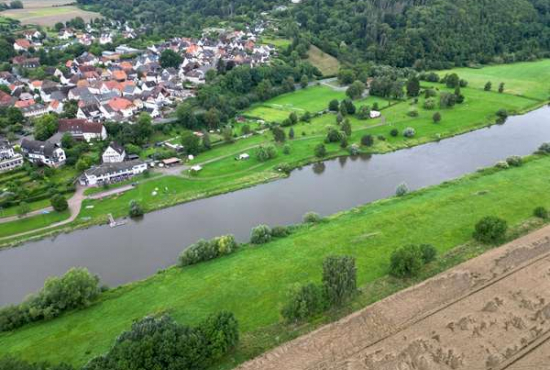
[492, 312]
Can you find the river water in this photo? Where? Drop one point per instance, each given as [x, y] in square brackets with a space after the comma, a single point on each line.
[140, 248]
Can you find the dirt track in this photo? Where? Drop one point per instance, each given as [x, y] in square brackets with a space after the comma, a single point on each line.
[492, 312]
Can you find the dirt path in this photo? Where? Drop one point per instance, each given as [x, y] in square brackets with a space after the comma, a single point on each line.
[492, 312]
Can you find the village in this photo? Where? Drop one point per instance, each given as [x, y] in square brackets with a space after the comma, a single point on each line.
[116, 86]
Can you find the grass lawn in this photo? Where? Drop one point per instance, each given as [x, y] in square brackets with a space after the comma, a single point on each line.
[48, 16]
[276, 41]
[31, 223]
[327, 64]
[253, 282]
[531, 79]
[313, 99]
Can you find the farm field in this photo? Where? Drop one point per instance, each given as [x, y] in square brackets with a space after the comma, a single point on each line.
[47, 13]
[530, 79]
[253, 282]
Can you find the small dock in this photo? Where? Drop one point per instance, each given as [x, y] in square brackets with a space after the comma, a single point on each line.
[113, 222]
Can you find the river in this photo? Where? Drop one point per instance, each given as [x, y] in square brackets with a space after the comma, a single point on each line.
[140, 248]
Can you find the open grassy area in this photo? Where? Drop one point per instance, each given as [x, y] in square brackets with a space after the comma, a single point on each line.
[48, 15]
[531, 79]
[276, 41]
[253, 282]
[31, 223]
[327, 64]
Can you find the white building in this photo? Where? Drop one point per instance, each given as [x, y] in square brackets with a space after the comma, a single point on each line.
[82, 129]
[9, 160]
[109, 173]
[114, 153]
[44, 153]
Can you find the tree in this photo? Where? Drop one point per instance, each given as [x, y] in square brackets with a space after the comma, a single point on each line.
[82, 164]
[266, 152]
[339, 279]
[320, 151]
[135, 209]
[346, 76]
[334, 105]
[212, 118]
[291, 133]
[367, 140]
[144, 128]
[206, 144]
[169, 58]
[70, 109]
[278, 134]
[59, 26]
[355, 90]
[293, 117]
[227, 134]
[447, 100]
[348, 106]
[304, 302]
[45, 127]
[413, 87]
[488, 86]
[346, 127]
[333, 136]
[401, 189]
[191, 143]
[452, 81]
[501, 87]
[59, 203]
[16, 4]
[304, 81]
[490, 229]
[261, 234]
[406, 261]
[364, 112]
[23, 209]
[436, 117]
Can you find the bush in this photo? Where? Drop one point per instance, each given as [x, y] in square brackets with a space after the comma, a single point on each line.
[286, 149]
[367, 140]
[304, 302]
[135, 209]
[204, 250]
[320, 151]
[413, 112]
[540, 212]
[354, 149]
[266, 152]
[334, 136]
[502, 114]
[339, 279]
[436, 117]
[76, 289]
[394, 132]
[429, 104]
[311, 218]
[59, 203]
[428, 252]
[514, 161]
[260, 234]
[544, 149]
[280, 231]
[490, 229]
[406, 261]
[162, 343]
[409, 132]
[502, 165]
[401, 189]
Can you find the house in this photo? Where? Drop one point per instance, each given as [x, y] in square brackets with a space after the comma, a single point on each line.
[82, 129]
[43, 153]
[6, 99]
[375, 114]
[9, 159]
[56, 106]
[34, 110]
[114, 153]
[65, 34]
[22, 45]
[109, 173]
[122, 106]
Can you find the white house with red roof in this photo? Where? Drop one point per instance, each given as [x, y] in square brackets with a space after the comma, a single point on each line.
[82, 129]
[21, 45]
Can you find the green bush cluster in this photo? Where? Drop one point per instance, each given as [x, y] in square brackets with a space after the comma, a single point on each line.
[407, 261]
[541, 212]
[205, 250]
[490, 229]
[76, 289]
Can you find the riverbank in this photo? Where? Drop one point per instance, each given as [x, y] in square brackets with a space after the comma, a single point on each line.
[253, 282]
[222, 174]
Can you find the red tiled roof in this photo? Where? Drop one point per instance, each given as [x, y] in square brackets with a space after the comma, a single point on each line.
[79, 125]
[24, 43]
[119, 103]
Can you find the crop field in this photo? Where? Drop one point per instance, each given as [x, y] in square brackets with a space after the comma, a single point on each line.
[47, 13]
[312, 99]
[530, 79]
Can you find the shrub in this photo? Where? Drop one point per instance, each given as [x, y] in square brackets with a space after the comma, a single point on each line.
[333, 136]
[162, 343]
[514, 161]
[303, 302]
[284, 167]
[266, 152]
[429, 104]
[320, 151]
[409, 132]
[59, 203]
[502, 114]
[540, 212]
[413, 112]
[502, 165]
[280, 231]
[490, 229]
[430, 93]
[436, 117]
[334, 105]
[544, 149]
[367, 140]
[354, 149]
[76, 289]
[339, 279]
[406, 261]
[286, 149]
[261, 234]
[401, 189]
[488, 86]
[381, 137]
[204, 250]
[311, 218]
[394, 132]
[135, 209]
[428, 252]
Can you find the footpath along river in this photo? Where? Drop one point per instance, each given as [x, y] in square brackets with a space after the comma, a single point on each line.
[140, 248]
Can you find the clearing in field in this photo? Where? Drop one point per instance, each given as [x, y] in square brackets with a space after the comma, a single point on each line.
[530, 79]
[327, 64]
[48, 13]
[312, 99]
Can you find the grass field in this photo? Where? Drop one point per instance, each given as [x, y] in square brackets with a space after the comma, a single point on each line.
[253, 282]
[327, 64]
[531, 79]
[47, 13]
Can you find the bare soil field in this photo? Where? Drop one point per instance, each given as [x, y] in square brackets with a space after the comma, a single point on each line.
[47, 12]
[492, 312]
